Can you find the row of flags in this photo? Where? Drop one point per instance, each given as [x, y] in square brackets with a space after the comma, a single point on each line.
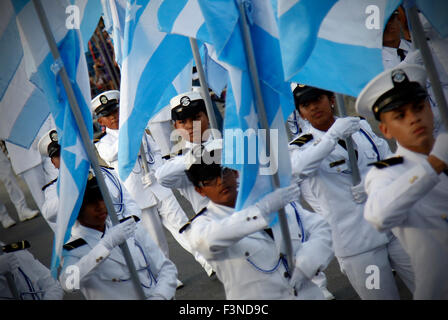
[312, 42]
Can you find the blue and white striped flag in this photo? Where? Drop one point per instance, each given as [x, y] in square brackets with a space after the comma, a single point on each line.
[340, 53]
[217, 23]
[151, 62]
[22, 104]
[74, 164]
[436, 13]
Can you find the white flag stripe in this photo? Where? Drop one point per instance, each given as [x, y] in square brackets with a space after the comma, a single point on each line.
[284, 6]
[185, 23]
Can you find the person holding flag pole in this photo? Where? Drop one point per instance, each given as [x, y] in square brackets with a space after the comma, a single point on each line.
[88, 145]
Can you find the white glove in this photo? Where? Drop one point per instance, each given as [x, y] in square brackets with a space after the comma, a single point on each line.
[193, 156]
[119, 234]
[440, 148]
[358, 193]
[147, 179]
[278, 199]
[297, 278]
[343, 128]
[8, 263]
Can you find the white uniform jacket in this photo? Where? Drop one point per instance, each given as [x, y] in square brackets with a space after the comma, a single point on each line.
[247, 260]
[124, 204]
[172, 175]
[33, 280]
[145, 197]
[327, 181]
[104, 274]
[411, 199]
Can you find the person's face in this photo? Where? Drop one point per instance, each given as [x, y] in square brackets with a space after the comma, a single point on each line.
[93, 215]
[411, 125]
[318, 112]
[110, 121]
[392, 30]
[221, 190]
[194, 127]
[56, 161]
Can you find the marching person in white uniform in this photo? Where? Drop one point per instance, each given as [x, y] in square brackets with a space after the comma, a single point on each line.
[15, 194]
[241, 247]
[408, 193]
[124, 204]
[32, 279]
[93, 250]
[320, 159]
[157, 203]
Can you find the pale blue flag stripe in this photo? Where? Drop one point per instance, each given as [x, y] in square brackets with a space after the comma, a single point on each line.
[151, 61]
[74, 162]
[436, 12]
[347, 46]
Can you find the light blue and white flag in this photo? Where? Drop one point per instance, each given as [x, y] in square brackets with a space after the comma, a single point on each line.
[43, 71]
[23, 107]
[436, 13]
[151, 61]
[22, 104]
[217, 23]
[345, 54]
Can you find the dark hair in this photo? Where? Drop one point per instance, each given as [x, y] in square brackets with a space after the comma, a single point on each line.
[201, 172]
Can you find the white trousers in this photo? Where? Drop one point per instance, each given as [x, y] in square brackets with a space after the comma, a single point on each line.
[370, 273]
[12, 187]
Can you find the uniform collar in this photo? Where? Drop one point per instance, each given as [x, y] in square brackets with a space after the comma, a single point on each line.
[112, 132]
[410, 155]
[219, 210]
[91, 236]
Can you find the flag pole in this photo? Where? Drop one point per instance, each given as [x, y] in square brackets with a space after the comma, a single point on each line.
[261, 110]
[418, 36]
[88, 145]
[356, 177]
[204, 87]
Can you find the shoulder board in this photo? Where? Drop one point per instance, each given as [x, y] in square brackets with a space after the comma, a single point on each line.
[171, 156]
[49, 184]
[106, 167]
[98, 137]
[300, 141]
[191, 220]
[387, 162]
[74, 244]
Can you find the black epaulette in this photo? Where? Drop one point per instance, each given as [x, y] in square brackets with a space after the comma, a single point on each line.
[98, 137]
[300, 141]
[49, 184]
[191, 220]
[171, 156]
[387, 162]
[110, 168]
[74, 244]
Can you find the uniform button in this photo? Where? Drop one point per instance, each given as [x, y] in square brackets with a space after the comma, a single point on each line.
[444, 217]
[255, 217]
[286, 275]
[114, 280]
[412, 180]
[99, 259]
[300, 236]
[248, 218]
[246, 254]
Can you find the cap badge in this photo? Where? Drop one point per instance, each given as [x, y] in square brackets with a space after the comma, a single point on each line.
[90, 176]
[54, 136]
[103, 99]
[302, 85]
[398, 76]
[185, 101]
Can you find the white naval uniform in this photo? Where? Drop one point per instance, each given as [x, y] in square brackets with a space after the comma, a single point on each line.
[297, 124]
[172, 175]
[105, 275]
[158, 204]
[247, 260]
[390, 56]
[33, 280]
[124, 204]
[326, 186]
[12, 187]
[412, 200]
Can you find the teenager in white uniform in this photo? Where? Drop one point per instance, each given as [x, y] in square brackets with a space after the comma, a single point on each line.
[243, 249]
[319, 157]
[103, 273]
[408, 192]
